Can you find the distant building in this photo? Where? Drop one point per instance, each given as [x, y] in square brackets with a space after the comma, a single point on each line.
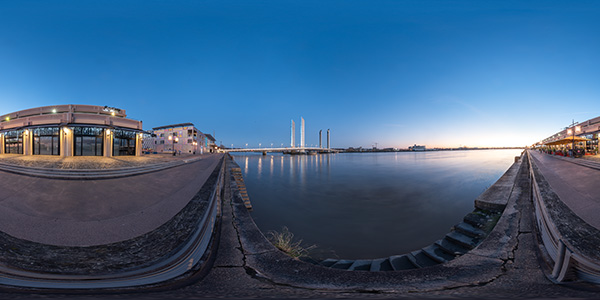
[184, 137]
[210, 143]
[416, 148]
[71, 130]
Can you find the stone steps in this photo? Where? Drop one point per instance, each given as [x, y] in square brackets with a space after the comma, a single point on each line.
[463, 237]
[462, 240]
[95, 174]
[236, 172]
[469, 230]
[451, 248]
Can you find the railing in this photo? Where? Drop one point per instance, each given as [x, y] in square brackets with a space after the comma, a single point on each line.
[569, 263]
[188, 257]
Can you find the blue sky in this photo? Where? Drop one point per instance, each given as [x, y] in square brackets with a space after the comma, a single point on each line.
[395, 73]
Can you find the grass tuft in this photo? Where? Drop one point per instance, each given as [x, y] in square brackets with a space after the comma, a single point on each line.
[284, 241]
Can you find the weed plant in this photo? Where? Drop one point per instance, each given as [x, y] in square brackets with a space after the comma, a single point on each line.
[284, 241]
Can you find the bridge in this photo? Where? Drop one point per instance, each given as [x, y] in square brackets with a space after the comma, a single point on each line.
[284, 150]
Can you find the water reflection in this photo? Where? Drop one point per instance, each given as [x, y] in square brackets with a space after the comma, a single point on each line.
[367, 205]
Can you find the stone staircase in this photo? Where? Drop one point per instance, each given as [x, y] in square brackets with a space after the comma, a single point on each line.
[236, 171]
[92, 174]
[462, 238]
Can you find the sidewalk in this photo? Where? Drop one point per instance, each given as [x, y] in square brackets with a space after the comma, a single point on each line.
[577, 186]
[95, 212]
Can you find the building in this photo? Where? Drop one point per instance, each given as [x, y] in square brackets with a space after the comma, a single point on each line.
[211, 143]
[70, 130]
[184, 137]
[584, 136]
[417, 148]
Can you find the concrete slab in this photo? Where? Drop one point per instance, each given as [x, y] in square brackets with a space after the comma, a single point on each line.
[496, 196]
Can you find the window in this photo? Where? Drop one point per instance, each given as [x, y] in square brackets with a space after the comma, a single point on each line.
[189, 141]
[190, 132]
[123, 142]
[46, 141]
[13, 142]
[88, 141]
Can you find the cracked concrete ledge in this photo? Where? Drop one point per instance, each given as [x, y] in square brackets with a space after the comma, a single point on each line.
[580, 237]
[480, 266]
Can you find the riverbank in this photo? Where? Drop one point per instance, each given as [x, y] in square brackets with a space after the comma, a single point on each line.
[505, 265]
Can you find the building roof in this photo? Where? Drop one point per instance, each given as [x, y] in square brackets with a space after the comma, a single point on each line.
[210, 137]
[173, 126]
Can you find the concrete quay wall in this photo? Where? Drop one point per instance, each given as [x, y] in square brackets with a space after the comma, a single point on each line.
[485, 263]
[570, 246]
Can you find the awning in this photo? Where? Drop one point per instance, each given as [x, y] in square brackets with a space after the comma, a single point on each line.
[568, 140]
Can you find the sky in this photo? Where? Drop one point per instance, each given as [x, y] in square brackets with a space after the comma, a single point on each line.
[385, 73]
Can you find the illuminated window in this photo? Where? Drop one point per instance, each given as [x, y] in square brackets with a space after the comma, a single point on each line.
[13, 142]
[88, 141]
[46, 141]
[124, 143]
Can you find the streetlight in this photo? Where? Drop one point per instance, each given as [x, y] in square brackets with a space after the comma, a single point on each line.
[175, 140]
[572, 133]
[259, 145]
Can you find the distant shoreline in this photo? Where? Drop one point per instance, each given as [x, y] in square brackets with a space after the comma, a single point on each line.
[361, 150]
[370, 150]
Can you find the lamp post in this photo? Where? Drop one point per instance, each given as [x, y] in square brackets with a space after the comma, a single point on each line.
[175, 140]
[572, 131]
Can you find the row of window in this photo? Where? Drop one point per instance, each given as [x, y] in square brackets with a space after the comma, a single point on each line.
[190, 132]
[88, 141]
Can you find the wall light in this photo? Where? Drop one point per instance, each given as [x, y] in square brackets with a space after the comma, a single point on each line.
[112, 113]
[54, 110]
[107, 131]
[7, 118]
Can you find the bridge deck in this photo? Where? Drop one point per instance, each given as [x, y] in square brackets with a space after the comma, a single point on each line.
[578, 186]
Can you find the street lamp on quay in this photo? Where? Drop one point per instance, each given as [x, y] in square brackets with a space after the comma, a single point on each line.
[572, 133]
[175, 139]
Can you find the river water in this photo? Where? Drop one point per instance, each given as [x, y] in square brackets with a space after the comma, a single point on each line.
[368, 205]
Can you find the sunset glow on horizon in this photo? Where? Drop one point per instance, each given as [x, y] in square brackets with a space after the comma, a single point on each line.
[385, 74]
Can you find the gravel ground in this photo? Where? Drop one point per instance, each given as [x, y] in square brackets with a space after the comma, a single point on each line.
[87, 162]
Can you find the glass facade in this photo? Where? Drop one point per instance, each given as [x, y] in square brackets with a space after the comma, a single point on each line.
[13, 142]
[88, 141]
[46, 141]
[123, 142]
